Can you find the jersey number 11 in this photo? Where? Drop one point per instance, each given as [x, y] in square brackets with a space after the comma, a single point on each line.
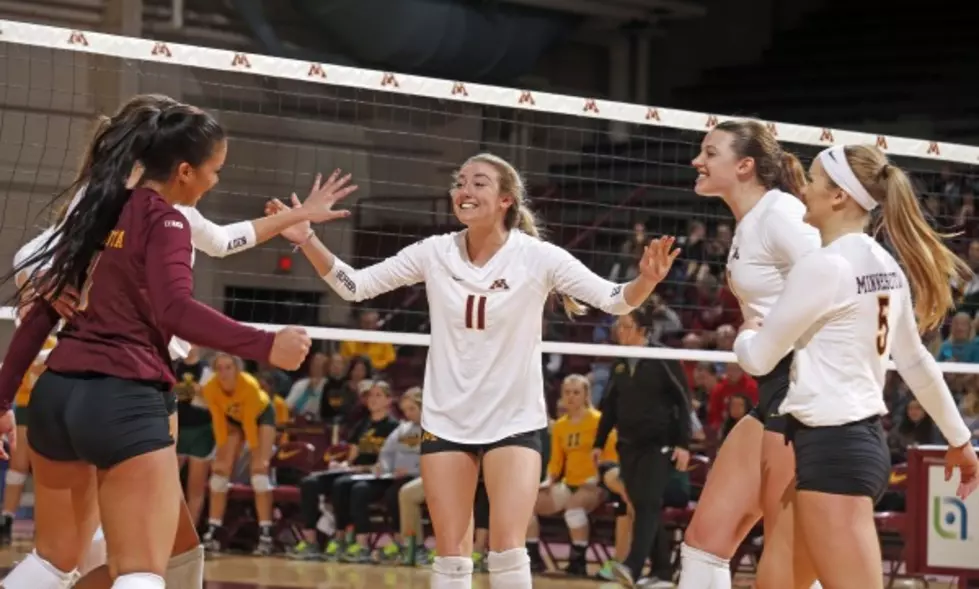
[476, 312]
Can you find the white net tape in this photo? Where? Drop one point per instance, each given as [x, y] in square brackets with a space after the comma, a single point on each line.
[547, 135]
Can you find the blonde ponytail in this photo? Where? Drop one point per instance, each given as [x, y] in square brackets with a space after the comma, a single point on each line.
[520, 215]
[928, 264]
[527, 222]
[927, 261]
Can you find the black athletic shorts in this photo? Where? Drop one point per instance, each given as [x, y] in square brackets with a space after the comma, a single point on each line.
[266, 417]
[432, 444]
[97, 419]
[620, 507]
[849, 459]
[772, 388]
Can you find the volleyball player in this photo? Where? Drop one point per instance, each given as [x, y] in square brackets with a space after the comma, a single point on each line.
[100, 403]
[487, 286]
[846, 308]
[186, 569]
[742, 162]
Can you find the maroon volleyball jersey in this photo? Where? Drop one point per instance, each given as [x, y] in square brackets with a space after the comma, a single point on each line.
[138, 295]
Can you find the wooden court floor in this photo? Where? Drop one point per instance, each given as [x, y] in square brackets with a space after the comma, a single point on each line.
[249, 572]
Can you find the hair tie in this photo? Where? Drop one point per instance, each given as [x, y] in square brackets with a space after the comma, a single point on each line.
[885, 171]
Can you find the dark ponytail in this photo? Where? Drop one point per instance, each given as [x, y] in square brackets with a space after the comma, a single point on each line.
[157, 132]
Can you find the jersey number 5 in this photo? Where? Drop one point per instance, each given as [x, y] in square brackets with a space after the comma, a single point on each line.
[476, 312]
[883, 327]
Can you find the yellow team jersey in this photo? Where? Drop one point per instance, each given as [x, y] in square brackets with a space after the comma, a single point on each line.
[23, 397]
[571, 445]
[244, 405]
[281, 410]
[381, 355]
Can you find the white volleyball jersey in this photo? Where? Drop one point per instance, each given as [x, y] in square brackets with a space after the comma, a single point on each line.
[767, 241]
[847, 308]
[483, 376]
[212, 239]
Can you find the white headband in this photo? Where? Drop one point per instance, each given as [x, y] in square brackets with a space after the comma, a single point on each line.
[837, 168]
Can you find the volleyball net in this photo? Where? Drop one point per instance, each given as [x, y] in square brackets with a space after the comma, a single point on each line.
[603, 176]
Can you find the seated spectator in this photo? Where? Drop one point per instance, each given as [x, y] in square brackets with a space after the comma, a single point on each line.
[969, 405]
[306, 393]
[344, 403]
[915, 428]
[737, 407]
[577, 493]
[411, 497]
[381, 355]
[366, 440]
[734, 382]
[397, 465]
[705, 379]
[666, 324]
[961, 345]
[711, 305]
[241, 413]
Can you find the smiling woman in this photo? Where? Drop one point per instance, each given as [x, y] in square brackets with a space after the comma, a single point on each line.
[487, 286]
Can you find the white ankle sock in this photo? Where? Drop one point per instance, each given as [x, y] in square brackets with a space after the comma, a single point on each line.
[36, 573]
[139, 581]
[186, 571]
[509, 569]
[702, 570]
[96, 556]
[452, 572]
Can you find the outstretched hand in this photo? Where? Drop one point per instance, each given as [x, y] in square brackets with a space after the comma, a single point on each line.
[318, 207]
[657, 259]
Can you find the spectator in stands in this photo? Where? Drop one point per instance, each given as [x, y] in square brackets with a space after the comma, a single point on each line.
[571, 487]
[397, 464]
[724, 342]
[969, 405]
[694, 251]
[647, 402]
[338, 398]
[195, 438]
[915, 428]
[705, 378]
[306, 393]
[712, 305]
[359, 371]
[734, 382]
[716, 250]
[279, 380]
[666, 323]
[365, 443]
[241, 413]
[381, 355]
[961, 345]
[691, 341]
[738, 405]
[626, 265]
[411, 497]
